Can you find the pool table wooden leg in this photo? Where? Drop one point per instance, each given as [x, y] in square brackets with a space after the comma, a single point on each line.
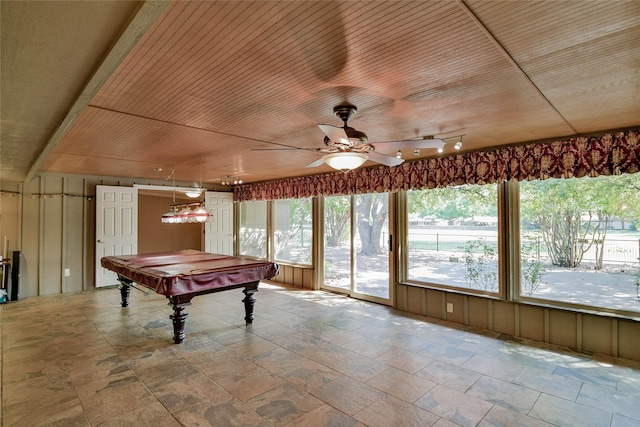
[178, 318]
[125, 289]
[249, 301]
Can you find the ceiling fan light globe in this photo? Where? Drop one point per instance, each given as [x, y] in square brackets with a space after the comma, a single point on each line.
[345, 161]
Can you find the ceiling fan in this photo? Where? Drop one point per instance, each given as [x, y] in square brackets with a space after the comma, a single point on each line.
[349, 148]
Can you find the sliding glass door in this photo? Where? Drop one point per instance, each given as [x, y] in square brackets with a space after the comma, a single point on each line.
[356, 246]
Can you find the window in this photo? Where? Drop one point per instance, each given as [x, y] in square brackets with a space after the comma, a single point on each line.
[579, 241]
[452, 237]
[253, 229]
[293, 230]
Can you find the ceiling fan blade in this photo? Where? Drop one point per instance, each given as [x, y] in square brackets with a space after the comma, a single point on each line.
[335, 133]
[384, 159]
[316, 163]
[287, 148]
[275, 149]
[409, 144]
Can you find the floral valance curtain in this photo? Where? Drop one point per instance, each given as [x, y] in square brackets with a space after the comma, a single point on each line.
[608, 154]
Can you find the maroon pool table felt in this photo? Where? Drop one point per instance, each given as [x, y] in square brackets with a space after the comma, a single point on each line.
[182, 275]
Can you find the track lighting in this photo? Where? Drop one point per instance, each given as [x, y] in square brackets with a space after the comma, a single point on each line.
[457, 146]
[230, 180]
[399, 154]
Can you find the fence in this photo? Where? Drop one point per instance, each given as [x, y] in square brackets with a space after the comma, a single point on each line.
[615, 250]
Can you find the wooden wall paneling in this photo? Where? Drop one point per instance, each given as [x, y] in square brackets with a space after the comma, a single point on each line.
[64, 238]
[307, 278]
[503, 317]
[298, 277]
[416, 303]
[531, 322]
[596, 334]
[478, 309]
[547, 327]
[288, 275]
[466, 299]
[435, 304]
[90, 233]
[52, 243]
[31, 237]
[628, 339]
[458, 314]
[11, 220]
[401, 299]
[614, 337]
[579, 327]
[563, 328]
[10, 217]
[291, 276]
[73, 246]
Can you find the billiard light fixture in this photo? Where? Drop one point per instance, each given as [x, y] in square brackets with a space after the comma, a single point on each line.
[187, 212]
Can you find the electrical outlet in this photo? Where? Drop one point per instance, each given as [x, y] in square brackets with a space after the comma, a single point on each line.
[449, 307]
[67, 272]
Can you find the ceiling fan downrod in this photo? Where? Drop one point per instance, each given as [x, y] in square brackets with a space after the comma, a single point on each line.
[345, 112]
[355, 137]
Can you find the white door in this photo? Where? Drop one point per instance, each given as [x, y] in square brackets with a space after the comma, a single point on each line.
[116, 227]
[218, 233]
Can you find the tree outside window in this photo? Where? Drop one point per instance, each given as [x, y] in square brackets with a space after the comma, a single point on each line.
[293, 230]
[253, 229]
[452, 237]
[581, 235]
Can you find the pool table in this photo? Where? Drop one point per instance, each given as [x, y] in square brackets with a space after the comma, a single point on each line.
[182, 275]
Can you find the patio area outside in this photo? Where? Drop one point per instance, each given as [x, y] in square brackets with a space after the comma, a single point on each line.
[613, 287]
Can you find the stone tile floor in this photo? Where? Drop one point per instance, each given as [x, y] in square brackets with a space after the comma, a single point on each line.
[309, 359]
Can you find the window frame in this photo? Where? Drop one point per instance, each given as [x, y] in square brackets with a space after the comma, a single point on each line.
[266, 228]
[501, 293]
[515, 266]
[272, 230]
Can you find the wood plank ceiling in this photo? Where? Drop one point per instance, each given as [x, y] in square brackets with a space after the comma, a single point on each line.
[123, 89]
